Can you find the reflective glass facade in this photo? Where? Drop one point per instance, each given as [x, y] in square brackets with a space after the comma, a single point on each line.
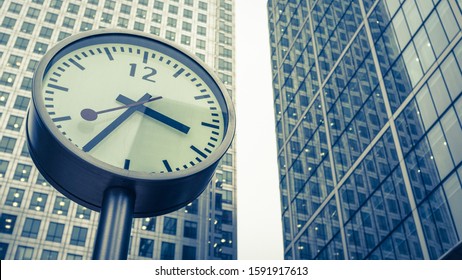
[36, 222]
[368, 120]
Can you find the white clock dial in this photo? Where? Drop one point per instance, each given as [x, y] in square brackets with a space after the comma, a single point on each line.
[133, 107]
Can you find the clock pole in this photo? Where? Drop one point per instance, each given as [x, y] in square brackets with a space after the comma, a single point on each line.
[115, 223]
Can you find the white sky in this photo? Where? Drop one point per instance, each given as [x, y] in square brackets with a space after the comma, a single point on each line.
[258, 209]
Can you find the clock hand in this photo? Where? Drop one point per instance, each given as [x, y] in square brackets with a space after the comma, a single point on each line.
[113, 125]
[156, 115]
[91, 115]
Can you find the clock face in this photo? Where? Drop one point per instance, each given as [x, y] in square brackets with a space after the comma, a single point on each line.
[133, 105]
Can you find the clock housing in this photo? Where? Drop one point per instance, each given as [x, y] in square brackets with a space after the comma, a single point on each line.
[60, 141]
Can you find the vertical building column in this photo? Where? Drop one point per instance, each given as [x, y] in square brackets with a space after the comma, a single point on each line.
[329, 142]
[399, 151]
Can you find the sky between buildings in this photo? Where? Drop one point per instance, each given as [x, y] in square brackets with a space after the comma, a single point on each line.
[259, 215]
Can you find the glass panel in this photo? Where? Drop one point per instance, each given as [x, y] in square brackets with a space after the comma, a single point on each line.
[447, 17]
[453, 131]
[435, 30]
[452, 76]
[439, 92]
[412, 15]
[426, 108]
[453, 190]
[424, 50]
[412, 64]
[440, 152]
[402, 32]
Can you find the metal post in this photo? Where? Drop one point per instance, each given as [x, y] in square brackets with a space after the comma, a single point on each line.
[115, 222]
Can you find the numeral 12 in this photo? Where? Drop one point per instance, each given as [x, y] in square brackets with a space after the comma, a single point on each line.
[148, 73]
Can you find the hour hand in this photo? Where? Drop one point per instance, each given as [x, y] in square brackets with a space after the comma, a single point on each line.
[155, 115]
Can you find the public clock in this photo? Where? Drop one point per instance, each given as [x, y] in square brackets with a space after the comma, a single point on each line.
[116, 108]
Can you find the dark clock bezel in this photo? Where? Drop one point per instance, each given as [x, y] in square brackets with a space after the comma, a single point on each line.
[55, 156]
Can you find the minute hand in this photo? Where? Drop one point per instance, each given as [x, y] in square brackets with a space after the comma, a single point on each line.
[155, 115]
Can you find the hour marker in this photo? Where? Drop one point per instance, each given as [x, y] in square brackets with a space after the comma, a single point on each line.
[205, 96]
[127, 164]
[109, 54]
[178, 73]
[58, 87]
[198, 151]
[60, 119]
[145, 57]
[167, 165]
[76, 64]
[210, 125]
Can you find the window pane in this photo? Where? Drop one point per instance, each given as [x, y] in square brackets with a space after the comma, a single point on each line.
[24, 253]
[55, 232]
[169, 225]
[440, 152]
[14, 197]
[439, 92]
[426, 108]
[452, 76]
[453, 131]
[79, 235]
[49, 255]
[31, 228]
[38, 201]
[7, 223]
[146, 248]
[167, 251]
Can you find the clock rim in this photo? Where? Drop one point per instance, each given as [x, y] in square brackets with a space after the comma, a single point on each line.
[45, 119]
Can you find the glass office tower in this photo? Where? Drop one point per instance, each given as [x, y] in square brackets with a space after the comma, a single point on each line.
[368, 121]
[37, 222]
